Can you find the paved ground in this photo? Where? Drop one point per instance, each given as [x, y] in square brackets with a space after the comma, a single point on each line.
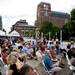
[40, 69]
[34, 63]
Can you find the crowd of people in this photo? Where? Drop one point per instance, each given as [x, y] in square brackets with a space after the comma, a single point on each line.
[14, 53]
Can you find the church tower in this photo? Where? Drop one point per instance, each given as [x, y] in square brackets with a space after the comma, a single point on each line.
[43, 12]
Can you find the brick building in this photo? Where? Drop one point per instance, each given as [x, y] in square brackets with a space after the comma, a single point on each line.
[22, 27]
[44, 13]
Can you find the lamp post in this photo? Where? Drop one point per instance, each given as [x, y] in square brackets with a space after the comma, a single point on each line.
[49, 35]
[60, 35]
[37, 33]
[56, 35]
[42, 36]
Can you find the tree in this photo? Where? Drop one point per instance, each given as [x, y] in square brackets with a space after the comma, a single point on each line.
[73, 15]
[73, 22]
[69, 27]
[55, 30]
[26, 33]
[32, 34]
[47, 27]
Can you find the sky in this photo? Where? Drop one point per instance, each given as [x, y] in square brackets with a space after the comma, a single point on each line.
[14, 10]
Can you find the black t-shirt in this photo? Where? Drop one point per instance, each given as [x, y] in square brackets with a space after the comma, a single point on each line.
[14, 68]
[71, 54]
[24, 70]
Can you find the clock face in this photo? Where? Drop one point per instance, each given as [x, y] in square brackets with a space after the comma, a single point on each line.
[45, 7]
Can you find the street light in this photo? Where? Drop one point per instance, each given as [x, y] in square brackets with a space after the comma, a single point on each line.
[49, 35]
[56, 35]
[60, 35]
[42, 36]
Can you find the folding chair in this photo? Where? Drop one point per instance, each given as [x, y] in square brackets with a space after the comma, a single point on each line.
[48, 72]
[68, 60]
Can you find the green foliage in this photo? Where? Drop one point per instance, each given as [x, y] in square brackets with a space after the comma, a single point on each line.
[47, 27]
[30, 33]
[26, 33]
[69, 27]
[73, 20]
[73, 14]
[55, 29]
[67, 30]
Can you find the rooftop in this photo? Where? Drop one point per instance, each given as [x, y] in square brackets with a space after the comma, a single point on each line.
[22, 21]
[59, 14]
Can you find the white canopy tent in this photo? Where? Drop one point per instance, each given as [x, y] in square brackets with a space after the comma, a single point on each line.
[2, 33]
[14, 33]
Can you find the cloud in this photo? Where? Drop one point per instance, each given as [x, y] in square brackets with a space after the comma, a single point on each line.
[13, 10]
